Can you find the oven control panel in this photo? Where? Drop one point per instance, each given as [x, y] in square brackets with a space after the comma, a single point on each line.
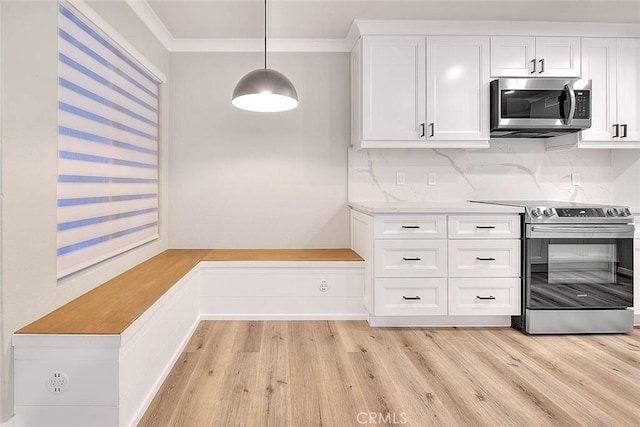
[578, 214]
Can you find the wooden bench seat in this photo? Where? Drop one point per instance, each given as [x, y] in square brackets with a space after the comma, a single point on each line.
[114, 306]
[116, 344]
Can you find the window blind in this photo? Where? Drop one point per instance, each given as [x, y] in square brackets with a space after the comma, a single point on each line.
[107, 147]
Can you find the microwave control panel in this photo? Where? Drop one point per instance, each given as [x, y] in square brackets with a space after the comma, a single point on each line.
[582, 104]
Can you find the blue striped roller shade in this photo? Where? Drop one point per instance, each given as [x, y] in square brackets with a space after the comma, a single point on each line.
[107, 147]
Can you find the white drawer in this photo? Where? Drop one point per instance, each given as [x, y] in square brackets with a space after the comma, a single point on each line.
[410, 227]
[473, 297]
[484, 258]
[410, 297]
[410, 258]
[484, 227]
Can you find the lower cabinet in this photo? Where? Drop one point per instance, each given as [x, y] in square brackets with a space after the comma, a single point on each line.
[439, 265]
[478, 297]
[411, 297]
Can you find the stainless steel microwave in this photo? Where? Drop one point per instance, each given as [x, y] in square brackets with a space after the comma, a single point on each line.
[539, 107]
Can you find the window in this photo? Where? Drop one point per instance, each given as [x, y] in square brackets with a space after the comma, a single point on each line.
[107, 147]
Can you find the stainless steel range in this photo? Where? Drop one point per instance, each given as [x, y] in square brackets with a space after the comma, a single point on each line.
[577, 268]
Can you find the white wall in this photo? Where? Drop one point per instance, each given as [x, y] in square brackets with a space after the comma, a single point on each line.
[510, 169]
[29, 170]
[240, 179]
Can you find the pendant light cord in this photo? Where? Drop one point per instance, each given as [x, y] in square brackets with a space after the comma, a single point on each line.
[265, 34]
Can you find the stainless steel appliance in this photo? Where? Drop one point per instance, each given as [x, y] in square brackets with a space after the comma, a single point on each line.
[577, 268]
[539, 107]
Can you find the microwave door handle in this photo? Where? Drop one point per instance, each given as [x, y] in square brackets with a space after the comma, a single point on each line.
[572, 104]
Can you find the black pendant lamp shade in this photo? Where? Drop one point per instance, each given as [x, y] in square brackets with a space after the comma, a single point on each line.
[265, 90]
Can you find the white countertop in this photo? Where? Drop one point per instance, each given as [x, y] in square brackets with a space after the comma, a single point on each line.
[452, 207]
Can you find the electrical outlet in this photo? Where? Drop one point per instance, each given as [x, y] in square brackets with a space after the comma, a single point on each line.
[431, 178]
[576, 179]
[400, 178]
[324, 286]
[58, 382]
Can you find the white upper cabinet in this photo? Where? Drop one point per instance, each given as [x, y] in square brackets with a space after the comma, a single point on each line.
[613, 65]
[413, 91]
[535, 56]
[512, 56]
[393, 94]
[628, 89]
[457, 88]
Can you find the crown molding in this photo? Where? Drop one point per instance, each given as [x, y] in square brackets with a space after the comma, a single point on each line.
[378, 27]
[149, 17]
[494, 28]
[82, 7]
[257, 45]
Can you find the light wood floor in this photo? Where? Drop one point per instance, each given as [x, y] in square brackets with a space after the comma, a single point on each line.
[336, 373]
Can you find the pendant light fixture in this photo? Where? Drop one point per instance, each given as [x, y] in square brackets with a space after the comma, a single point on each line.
[265, 90]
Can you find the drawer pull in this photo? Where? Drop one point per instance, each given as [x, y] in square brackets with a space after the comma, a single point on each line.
[485, 259]
[411, 258]
[411, 226]
[416, 298]
[485, 227]
[490, 297]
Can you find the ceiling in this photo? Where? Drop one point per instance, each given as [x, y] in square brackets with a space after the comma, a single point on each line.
[331, 19]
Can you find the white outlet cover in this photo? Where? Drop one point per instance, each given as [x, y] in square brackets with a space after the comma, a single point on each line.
[400, 178]
[58, 382]
[576, 179]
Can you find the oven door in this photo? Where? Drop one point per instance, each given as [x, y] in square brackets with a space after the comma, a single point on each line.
[579, 266]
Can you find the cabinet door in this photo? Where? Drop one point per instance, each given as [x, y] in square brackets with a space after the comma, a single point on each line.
[393, 88]
[512, 56]
[599, 65]
[558, 56]
[628, 89]
[457, 88]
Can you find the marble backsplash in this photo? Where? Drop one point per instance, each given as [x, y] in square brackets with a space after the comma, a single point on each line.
[510, 169]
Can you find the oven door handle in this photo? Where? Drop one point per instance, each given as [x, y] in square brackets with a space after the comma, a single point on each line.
[581, 231]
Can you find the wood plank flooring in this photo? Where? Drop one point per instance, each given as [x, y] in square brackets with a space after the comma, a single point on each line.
[344, 373]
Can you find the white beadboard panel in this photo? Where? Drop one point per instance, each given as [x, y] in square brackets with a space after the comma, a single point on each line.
[153, 344]
[282, 307]
[67, 416]
[250, 284]
[91, 382]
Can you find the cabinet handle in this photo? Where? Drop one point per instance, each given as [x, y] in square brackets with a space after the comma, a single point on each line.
[482, 227]
[411, 258]
[432, 129]
[616, 130]
[541, 66]
[416, 298]
[624, 130]
[490, 297]
[411, 226]
[533, 66]
[421, 130]
[485, 259]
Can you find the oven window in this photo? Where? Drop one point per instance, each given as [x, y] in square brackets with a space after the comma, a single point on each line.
[534, 104]
[579, 273]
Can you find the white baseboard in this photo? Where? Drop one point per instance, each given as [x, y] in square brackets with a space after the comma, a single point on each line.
[283, 317]
[440, 321]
